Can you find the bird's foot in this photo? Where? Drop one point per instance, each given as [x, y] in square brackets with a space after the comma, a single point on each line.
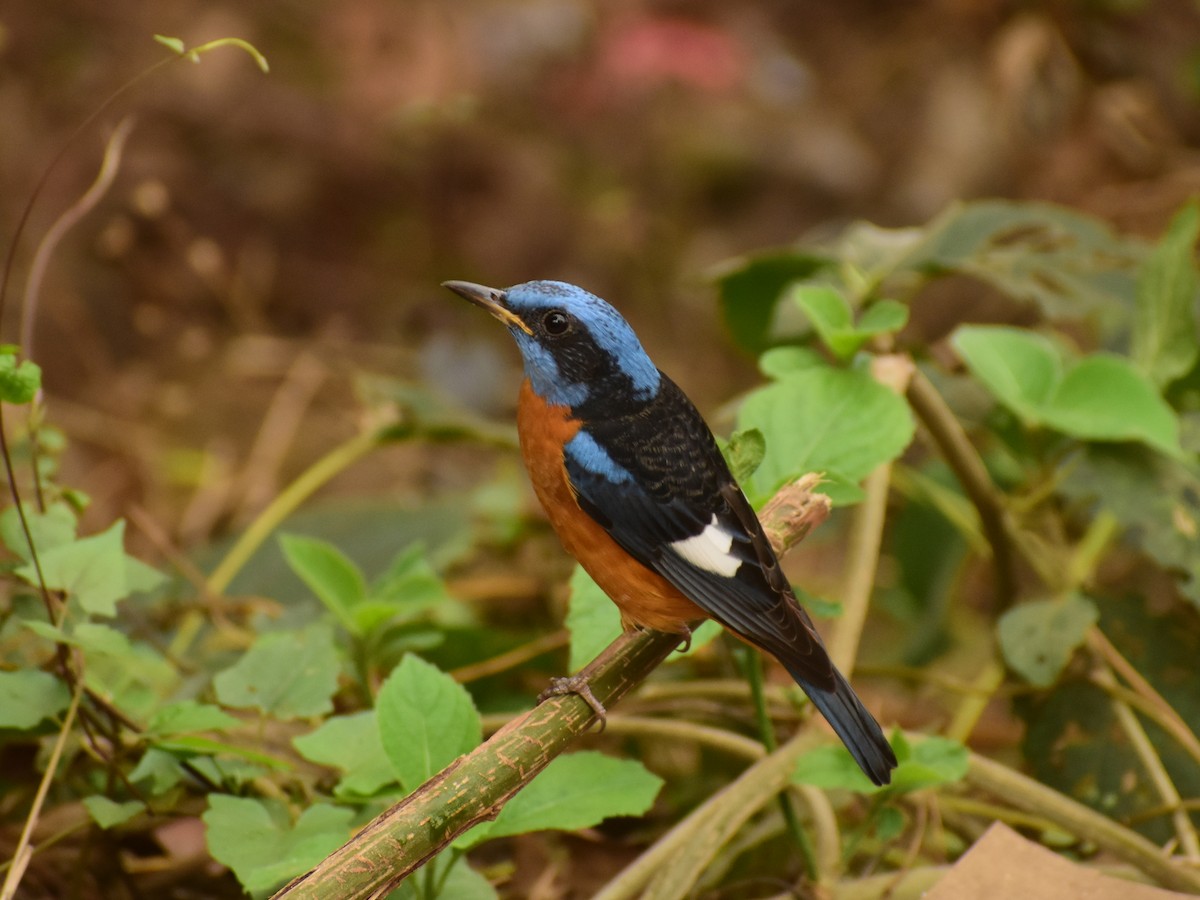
[579, 686]
[685, 640]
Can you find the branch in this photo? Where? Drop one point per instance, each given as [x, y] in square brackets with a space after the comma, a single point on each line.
[475, 787]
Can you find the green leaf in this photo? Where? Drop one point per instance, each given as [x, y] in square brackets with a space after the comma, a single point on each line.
[287, 674]
[781, 361]
[745, 453]
[1098, 398]
[750, 291]
[1165, 331]
[351, 744]
[254, 762]
[409, 587]
[174, 44]
[837, 421]
[336, 581]
[575, 791]
[107, 813]
[830, 315]
[1104, 398]
[27, 696]
[1156, 499]
[1070, 264]
[1038, 638]
[883, 317]
[94, 570]
[19, 381]
[53, 528]
[933, 761]
[188, 717]
[831, 766]
[1020, 368]
[426, 721]
[593, 620]
[260, 843]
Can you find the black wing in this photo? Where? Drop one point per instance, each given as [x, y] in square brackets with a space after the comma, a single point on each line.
[681, 514]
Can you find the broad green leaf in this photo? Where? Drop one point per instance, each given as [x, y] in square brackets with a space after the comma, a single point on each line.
[1075, 744]
[832, 766]
[336, 581]
[780, 361]
[1021, 369]
[1038, 638]
[1099, 398]
[410, 586]
[107, 813]
[187, 717]
[53, 528]
[255, 760]
[882, 317]
[931, 762]
[1166, 335]
[578, 790]
[351, 744]
[837, 421]
[157, 771]
[19, 381]
[745, 452]
[830, 315]
[132, 675]
[286, 674]
[260, 843]
[1156, 499]
[27, 696]
[426, 721]
[593, 620]
[1070, 264]
[94, 570]
[751, 289]
[1103, 398]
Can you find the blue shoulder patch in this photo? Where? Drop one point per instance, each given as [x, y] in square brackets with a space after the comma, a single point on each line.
[586, 452]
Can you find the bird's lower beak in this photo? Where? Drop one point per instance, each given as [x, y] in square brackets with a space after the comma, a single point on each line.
[491, 299]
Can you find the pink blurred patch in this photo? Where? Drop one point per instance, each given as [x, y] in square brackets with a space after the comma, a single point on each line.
[649, 52]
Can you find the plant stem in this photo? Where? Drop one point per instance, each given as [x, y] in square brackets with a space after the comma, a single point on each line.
[1082, 821]
[286, 502]
[971, 473]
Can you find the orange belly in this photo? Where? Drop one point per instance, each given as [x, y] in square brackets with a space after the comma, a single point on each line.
[644, 597]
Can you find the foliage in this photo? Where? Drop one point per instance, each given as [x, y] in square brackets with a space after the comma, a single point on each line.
[285, 722]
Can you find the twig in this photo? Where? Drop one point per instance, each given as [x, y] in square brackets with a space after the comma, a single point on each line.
[510, 659]
[671, 866]
[23, 850]
[968, 468]
[1081, 821]
[475, 787]
[1153, 764]
[893, 372]
[76, 211]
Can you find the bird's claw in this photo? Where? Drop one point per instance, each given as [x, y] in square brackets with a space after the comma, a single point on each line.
[579, 686]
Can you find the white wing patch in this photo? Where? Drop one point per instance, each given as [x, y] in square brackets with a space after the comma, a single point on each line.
[709, 550]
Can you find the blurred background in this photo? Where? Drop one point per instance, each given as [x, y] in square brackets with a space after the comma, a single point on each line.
[268, 236]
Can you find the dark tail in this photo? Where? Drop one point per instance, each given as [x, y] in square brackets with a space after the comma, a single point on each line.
[855, 726]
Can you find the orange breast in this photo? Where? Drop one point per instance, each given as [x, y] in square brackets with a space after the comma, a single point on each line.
[644, 597]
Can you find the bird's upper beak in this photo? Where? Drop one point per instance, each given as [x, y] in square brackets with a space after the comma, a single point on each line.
[491, 299]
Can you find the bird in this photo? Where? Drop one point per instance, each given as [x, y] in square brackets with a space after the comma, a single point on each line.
[632, 480]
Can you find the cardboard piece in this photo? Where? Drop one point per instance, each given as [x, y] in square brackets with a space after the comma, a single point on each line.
[1003, 865]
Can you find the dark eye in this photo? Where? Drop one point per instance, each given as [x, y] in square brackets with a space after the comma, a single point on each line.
[556, 322]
